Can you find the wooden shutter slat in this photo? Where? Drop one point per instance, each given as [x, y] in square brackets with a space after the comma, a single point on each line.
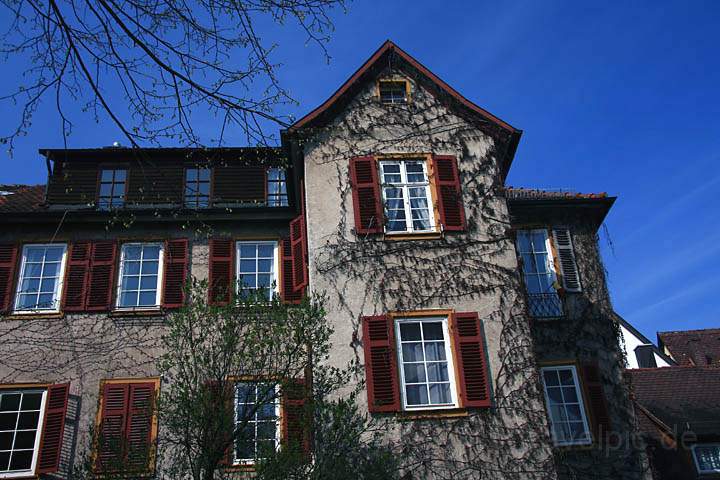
[8, 266]
[474, 377]
[447, 182]
[139, 425]
[222, 253]
[298, 245]
[595, 401]
[111, 432]
[295, 425]
[367, 202]
[566, 258]
[383, 387]
[103, 263]
[76, 278]
[175, 275]
[289, 294]
[53, 428]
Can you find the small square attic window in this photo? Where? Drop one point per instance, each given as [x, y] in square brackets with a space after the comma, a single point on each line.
[393, 91]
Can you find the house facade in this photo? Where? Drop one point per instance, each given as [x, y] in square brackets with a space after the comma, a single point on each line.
[479, 312]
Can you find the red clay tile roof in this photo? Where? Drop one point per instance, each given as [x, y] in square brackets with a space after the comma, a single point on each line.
[693, 347]
[682, 398]
[537, 194]
[21, 198]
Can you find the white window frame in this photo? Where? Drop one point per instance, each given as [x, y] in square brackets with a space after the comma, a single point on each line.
[57, 294]
[274, 275]
[278, 422]
[405, 186]
[448, 355]
[161, 272]
[581, 401]
[281, 198]
[695, 459]
[548, 248]
[112, 198]
[194, 200]
[39, 432]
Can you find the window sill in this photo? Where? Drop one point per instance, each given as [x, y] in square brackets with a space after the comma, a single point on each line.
[413, 236]
[240, 467]
[575, 446]
[431, 414]
[141, 312]
[33, 316]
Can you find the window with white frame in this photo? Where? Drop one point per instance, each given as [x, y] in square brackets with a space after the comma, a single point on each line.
[277, 195]
[425, 359]
[257, 413]
[197, 187]
[140, 275]
[112, 188]
[566, 410]
[41, 278]
[406, 194]
[257, 268]
[539, 273]
[21, 414]
[707, 457]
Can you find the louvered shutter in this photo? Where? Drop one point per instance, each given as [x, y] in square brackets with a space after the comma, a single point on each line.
[383, 387]
[8, 265]
[447, 181]
[474, 377]
[139, 426]
[367, 201]
[595, 401]
[298, 243]
[53, 428]
[111, 433]
[221, 270]
[289, 294]
[566, 257]
[175, 275]
[295, 426]
[221, 397]
[76, 278]
[103, 262]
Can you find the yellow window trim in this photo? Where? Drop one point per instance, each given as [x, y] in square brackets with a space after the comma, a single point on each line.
[397, 79]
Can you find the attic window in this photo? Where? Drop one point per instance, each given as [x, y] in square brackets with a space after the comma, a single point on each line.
[393, 91]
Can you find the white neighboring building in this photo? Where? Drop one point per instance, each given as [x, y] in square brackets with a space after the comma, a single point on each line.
[639, 351]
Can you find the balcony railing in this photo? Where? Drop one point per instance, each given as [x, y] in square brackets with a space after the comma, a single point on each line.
[545, 305]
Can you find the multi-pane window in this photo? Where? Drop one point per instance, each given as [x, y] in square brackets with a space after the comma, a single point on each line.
[276, 187]
[257, 268]
[565, 405]
[539, 273]
[21, 412]
[197, 187]
[257, 412]
[140, 275]
[426, 369]
[406, 193]
[707, 457]
[41, 278]
[112, 188]
[393, 91]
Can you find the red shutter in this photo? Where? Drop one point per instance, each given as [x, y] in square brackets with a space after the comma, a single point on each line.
[175, 275]
[221, 396]
[53, 428]
[383, 387]
[76, 278]
[111, 433]
[298, 245]
[221, 270]
[295, 426]
[474, 379]
[447, 181]
[139, 426]
[367, 201]
[289, 294]
[103, 261]
[8, 264]
[595, 401]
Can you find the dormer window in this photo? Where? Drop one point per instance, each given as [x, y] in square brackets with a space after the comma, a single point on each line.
[393, 91]
[276, 187]
[197, 188]
[112, 188]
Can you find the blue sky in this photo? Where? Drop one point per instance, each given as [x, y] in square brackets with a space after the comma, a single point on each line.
[623, 98]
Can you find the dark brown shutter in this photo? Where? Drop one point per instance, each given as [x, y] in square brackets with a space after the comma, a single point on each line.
[298, 244]
[175, 275]
[221, 270]
[566, 257]
[447, 181]
[103, 263]
[221, 397]
[289, 294]
[367, 201]
[474, 378]
[76, 278]
[8, 264]
[595, 401]
[295, 426]
[111, 432]
[383, 387]
[139, 425]
[53, 428]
